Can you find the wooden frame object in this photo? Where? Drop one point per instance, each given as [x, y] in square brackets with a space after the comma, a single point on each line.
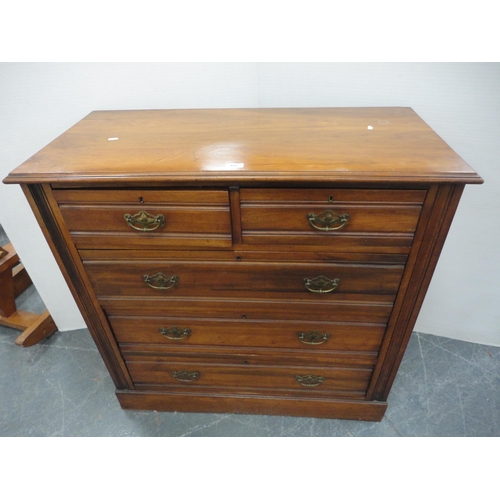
[249, 261]
[13, 281]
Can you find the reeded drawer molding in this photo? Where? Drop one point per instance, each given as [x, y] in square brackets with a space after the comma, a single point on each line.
[142, 197]
[374, 311]
[262, 254]
[331, 196]
[247, 356]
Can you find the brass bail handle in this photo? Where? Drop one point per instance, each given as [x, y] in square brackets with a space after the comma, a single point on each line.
[309, 380]
[160, 281]
[321, 284]
[175, 333]
[328, 221]
[186, 376]
[142, 221]
[313, 338]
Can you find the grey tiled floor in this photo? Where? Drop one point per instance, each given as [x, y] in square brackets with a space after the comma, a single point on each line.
[60, 387]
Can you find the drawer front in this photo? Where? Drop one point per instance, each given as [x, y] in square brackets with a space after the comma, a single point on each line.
[146, 219]
[350, 219]
[321, 281]
[376, 310]
[304, 335]
[192, 375]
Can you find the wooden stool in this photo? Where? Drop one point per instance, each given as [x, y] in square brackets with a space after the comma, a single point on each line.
[14, 280]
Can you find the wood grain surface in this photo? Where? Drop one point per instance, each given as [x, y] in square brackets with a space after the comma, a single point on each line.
[224, 145]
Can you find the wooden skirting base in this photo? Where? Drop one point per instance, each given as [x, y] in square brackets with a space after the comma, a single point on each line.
[251, 404]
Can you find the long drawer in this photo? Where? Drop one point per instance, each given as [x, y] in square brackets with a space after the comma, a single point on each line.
[146, 218]
[306, 335]
[197, 373]
[303, 281]
[358, 220]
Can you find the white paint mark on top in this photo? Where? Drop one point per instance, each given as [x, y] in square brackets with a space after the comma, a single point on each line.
[113, 139]
[227, 166]
[370, 127]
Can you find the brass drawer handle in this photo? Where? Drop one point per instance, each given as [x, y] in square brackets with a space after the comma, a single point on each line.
[321, 284]
[313, 338]
[175, 333]
[309, 380]
[143, 221]
[160, 281]
[186, 376]
[328, 221]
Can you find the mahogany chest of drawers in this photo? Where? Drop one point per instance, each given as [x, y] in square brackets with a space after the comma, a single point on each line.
[249, 261]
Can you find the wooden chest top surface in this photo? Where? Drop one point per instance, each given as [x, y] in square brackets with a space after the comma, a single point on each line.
[367, 145]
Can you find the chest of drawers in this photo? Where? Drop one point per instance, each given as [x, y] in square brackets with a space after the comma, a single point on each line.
[249, 261]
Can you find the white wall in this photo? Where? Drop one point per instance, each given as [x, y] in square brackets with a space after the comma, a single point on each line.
[460, 101]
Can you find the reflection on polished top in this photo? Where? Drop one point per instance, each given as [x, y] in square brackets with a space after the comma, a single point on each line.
[310, 144]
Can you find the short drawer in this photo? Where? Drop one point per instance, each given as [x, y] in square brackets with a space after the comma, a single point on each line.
[257, 280]
[304, 335]
[195, 374]
[118, 219]
[357, 220]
